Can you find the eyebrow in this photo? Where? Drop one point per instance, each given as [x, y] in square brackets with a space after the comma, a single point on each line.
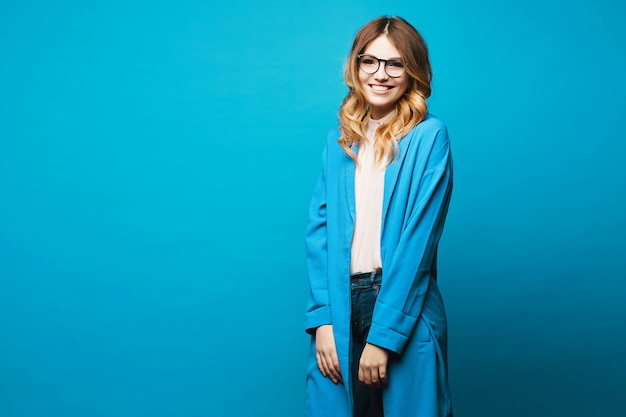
[384, 59]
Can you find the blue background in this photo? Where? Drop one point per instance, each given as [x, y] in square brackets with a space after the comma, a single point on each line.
[156, 163]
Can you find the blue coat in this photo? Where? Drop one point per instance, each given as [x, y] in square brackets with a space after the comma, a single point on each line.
[409, 317]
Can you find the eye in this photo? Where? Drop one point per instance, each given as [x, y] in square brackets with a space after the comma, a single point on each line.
[368, 60]
[395, 64]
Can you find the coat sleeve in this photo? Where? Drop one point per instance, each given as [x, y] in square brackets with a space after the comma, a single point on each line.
[407, 277]
[318, 306]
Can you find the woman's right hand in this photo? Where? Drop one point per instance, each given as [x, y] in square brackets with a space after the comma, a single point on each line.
[326, 353]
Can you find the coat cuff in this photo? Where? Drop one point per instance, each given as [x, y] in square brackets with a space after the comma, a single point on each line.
[317, 318]
[390, 328]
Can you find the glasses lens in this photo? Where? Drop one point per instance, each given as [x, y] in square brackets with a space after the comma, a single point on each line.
[368, 64]
[395, 68]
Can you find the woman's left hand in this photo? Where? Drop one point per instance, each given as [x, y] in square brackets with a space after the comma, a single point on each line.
[373, 366]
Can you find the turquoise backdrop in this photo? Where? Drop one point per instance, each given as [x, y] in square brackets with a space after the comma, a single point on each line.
[156, 163]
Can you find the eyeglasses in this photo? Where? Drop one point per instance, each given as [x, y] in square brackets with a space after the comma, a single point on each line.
[370, 64]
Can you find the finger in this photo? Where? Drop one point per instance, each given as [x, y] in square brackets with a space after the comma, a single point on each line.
[361, 374]
[374, 377]
[332, 363]
[335, 368]
[370, 376]
[365, 375]
[328, 367]
[320, 364]
[382, 372]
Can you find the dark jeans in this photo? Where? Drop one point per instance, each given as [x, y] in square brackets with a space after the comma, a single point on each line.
[368, 402]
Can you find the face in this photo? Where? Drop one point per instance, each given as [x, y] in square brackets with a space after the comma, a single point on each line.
[382, 91]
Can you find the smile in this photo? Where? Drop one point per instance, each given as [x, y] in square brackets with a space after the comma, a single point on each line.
[381, 87]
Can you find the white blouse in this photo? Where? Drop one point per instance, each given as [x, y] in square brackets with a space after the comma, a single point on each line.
[369, 187]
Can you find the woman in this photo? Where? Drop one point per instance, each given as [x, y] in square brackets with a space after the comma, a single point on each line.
[375, 314]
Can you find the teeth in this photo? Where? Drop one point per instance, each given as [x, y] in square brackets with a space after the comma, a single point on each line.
[380, 87]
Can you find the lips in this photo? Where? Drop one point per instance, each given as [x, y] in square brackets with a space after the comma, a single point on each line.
[377, 87]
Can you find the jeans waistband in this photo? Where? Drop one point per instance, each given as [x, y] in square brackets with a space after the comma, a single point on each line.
[366, 275]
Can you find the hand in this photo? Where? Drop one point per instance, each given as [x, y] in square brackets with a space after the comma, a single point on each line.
[326, 353]
[373, 366]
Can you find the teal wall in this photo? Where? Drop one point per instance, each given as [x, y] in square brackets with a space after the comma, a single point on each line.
[156, 162]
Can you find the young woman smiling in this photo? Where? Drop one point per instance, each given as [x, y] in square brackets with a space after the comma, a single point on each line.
[375, 314]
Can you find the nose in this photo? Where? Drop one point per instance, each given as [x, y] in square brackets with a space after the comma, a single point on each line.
[381, 74]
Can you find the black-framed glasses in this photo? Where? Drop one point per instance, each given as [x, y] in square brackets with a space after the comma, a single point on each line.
[370, 64]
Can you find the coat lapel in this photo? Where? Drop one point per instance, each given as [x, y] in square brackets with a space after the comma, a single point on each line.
[392, 172]
[349, 176]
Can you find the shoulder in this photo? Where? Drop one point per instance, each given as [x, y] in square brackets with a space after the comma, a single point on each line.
[431, 125]
[332, 143]
[430, 132]
[427, 144]
[333, 135]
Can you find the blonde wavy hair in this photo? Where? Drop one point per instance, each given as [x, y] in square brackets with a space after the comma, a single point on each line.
[410, 109]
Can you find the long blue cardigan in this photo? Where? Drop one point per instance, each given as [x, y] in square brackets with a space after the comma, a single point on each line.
[409, 317]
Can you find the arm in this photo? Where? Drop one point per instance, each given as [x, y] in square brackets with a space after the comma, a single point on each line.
[318, 307]
[408, 275]
[318, 320]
